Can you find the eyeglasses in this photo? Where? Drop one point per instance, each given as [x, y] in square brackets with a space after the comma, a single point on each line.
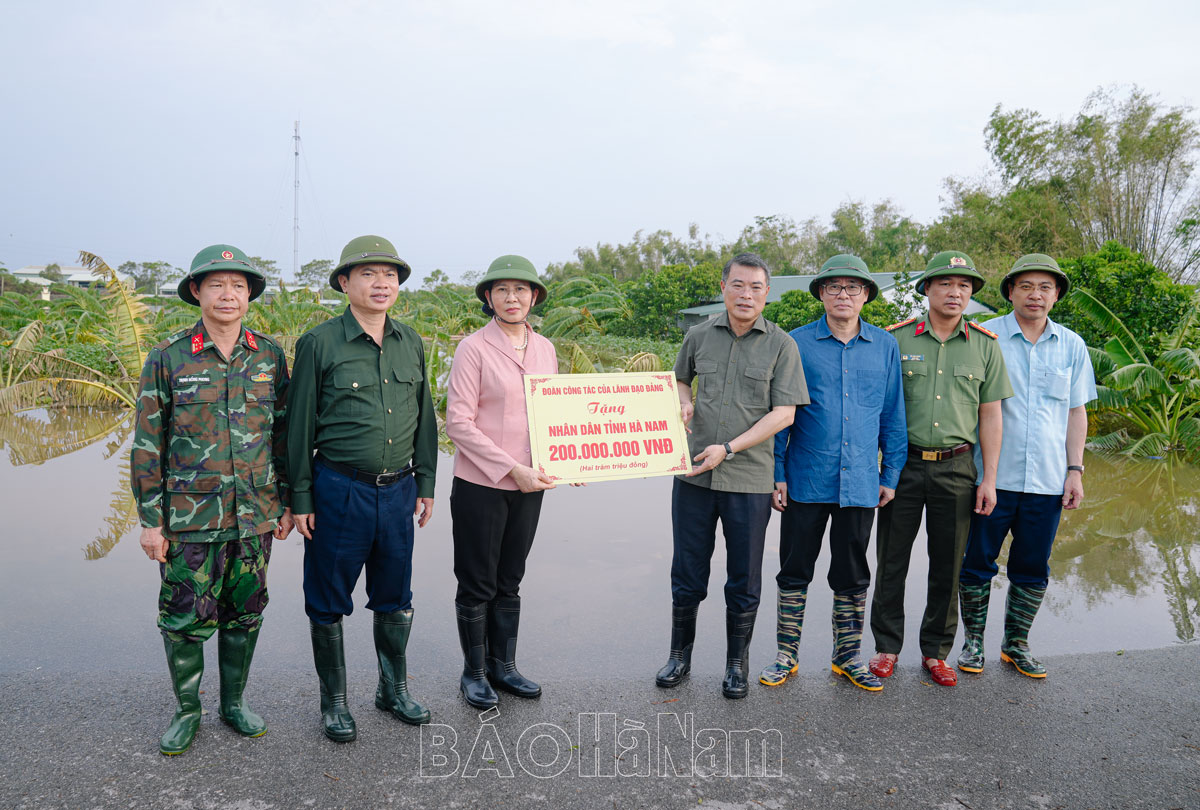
[1028, 287]
[739, 287]
[836, 289]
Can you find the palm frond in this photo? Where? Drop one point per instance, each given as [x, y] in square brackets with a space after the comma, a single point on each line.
[578, 360]
[1091, 306]
[127, 313]
[644, 361]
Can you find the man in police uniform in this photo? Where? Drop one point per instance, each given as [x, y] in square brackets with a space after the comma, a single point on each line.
[207, 464]
[1041, 462]
[361, 401]
[749, 382]
[954, 378]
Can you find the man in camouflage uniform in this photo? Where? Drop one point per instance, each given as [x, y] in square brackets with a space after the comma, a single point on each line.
[206, 464]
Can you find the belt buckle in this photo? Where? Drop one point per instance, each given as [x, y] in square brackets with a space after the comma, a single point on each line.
[930, 455]
[381, 479]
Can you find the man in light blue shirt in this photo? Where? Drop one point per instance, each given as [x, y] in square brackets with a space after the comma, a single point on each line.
[827, 465]
[1041, 462]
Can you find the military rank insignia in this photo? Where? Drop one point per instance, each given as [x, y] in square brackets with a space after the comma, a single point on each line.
[197, 344]
[251, 341]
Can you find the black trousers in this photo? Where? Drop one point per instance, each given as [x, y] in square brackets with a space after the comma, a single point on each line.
[800, 534]
[493, 532]
[944, 491]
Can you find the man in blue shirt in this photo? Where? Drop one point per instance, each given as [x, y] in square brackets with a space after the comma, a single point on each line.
[1041, 461]
[827, 465]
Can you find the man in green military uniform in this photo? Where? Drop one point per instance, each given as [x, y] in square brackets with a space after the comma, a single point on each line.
[954, 379]
[361, 402]
[207, 464]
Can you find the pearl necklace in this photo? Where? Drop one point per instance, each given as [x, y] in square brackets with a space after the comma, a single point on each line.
[524, 345]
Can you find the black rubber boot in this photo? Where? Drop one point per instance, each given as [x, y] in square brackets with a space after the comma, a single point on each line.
[185, 661]
[391, 640]
[503, 620]
[738, 629]
[330, 658]
[472, 631]
[235, 651]
[683, 636]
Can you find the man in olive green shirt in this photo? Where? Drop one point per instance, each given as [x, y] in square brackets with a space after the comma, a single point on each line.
[954, 379]
[361, 401]
[749, 381]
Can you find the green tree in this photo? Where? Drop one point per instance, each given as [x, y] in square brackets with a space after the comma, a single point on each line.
[315, 274]
[53, 272]
[645, 252]
[584, 305]
[1123, 169]
[269, 268]
[657, 297]
[434, 280]
[789, 248]
[1148, 302]
[149, 277]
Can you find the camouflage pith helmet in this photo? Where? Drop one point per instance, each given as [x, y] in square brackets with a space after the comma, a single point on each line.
[217, 259]
[951, 263]
[1030, 262]
[515, 267]
[368, 250]
[844, 265]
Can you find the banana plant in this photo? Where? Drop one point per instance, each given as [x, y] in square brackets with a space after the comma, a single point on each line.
[1159, 397]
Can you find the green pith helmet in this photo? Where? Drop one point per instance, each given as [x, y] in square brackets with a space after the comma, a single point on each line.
[514, 267]
[844, 265]
[368, 250]
[1031, 262]
[221, 258]
[951, 263]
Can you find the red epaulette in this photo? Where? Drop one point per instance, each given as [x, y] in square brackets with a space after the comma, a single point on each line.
[251, 341]
[197, 343]
[985, 330]
[898, 325]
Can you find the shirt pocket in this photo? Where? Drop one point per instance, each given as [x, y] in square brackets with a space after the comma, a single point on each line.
[266, 493]
[868, 387]
[194, 502]
[355, 392]
[260, 407]
[706, 378]
[1057, 384]
[756, 387]
[194, 412]
[915, 376]
[968, 380]
[402, 392]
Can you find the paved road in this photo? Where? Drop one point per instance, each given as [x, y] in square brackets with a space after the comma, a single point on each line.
[1104, 731]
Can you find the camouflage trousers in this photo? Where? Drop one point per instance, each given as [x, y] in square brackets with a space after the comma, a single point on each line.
[210, 586]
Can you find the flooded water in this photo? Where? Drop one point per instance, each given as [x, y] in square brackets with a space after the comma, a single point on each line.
[77, 594]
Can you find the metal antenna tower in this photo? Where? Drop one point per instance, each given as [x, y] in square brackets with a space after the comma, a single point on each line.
[296, 206]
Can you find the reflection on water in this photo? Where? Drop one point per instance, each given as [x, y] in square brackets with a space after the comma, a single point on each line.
[1127, 554]
[1136, 531]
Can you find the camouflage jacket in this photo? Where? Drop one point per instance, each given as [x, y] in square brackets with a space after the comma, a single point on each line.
[207, 460]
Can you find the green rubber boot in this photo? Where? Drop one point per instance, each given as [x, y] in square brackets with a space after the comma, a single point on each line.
[973, 600]
[848, 612]
[330, 659]
[789, 624]
[185, 661]
[1019, 612]
[235, 651]
[391, 641]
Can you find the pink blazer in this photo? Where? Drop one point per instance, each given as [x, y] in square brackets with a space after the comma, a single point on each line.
[485, 409]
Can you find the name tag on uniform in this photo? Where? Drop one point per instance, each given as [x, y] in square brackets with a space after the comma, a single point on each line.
[920, 358]
[192, 378]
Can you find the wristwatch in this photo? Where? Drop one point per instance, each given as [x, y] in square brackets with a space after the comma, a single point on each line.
[729, 451]
[1078, 467]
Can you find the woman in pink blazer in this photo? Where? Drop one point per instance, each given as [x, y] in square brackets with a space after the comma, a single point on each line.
[496, 496]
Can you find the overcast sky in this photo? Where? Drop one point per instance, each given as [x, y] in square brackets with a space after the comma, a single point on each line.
[466, 130]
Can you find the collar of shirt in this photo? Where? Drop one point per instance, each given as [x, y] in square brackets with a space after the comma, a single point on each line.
[1011, 327]
[209, 343]
[823, 331]
[722, 319]
[925, 328]
[354, 329]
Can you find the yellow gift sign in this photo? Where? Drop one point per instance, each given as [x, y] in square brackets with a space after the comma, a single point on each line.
[598, 427]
